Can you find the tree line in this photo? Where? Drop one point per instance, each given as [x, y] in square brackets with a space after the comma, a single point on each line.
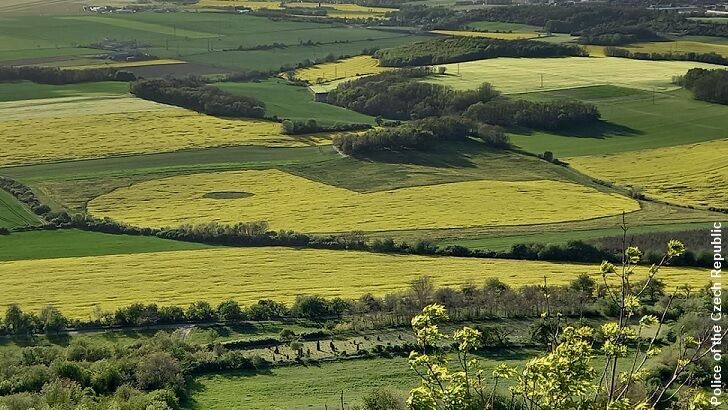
[706, 85]
[460, 49]
[711, 57]
[298, 127]
[192, 93]
[420, 135]
[57, 76]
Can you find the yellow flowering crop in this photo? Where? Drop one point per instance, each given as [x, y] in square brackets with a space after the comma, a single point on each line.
[292, 202]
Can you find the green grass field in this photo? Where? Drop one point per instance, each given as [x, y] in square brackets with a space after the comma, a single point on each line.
[319, 386]
[26, 90]
[630, 122]
[74, 243]
[294, 102]
[13, 214]
[503, 242]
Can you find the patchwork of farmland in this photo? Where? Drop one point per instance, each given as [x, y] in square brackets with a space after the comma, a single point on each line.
[291, 202]
[685, 174]
[94, 128]
[223, 40]
[76, 285]
[526, 74]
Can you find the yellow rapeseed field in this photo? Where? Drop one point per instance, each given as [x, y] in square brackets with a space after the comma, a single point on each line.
[686, 174]
[75, 285]
[487, 34]
[74, 107]
[666, 47]
[518, 75]
[84, 135]
[340, 10]
[292, 202]
[346, 68]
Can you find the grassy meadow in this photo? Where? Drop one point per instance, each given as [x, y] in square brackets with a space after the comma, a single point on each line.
[322, 384]
[291, 202]
[76, 285]
[72, 243]
[13, 214]
[684, 174]
[293, 102]
[632, 121]
[504, 241]
[525, 74]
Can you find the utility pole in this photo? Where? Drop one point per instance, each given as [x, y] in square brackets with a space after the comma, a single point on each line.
[541, 80]
[342, 400]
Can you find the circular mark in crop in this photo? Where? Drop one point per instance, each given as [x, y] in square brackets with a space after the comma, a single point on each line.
[227, 195]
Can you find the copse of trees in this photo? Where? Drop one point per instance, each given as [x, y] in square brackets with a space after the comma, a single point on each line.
[420, 134]
[194, 94]
[551, 115]
[150, 374]
[393, 94]
[417, 134]
[460, 49]
[707, 85]
[399, 95]
[57, 76]
[711, 58]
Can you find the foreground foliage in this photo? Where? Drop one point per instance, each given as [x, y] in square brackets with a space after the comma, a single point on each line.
[565, 378]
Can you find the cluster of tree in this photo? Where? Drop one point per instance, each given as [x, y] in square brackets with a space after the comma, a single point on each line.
[711, 58]
[551, 115]
[420, 134]
[57, 76]
[24, 194]
[613, 36]
[399, 95]
[459, 49]
[393, 94]
[296, 127]
[194, 94]
[150, 374]
[707, 85]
